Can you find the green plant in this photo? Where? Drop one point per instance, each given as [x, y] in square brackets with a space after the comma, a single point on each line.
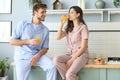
[116, 3]
[4, 66]
[31, 2]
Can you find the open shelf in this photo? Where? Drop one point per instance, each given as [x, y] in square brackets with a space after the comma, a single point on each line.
[88, 11]
[110, 11]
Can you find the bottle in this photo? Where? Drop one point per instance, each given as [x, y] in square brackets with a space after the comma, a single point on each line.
[57, 5]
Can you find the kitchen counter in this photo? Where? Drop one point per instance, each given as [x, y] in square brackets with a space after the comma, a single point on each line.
[90, 65]
[90, 71]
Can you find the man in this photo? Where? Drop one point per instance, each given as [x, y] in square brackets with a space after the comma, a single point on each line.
[30, 50]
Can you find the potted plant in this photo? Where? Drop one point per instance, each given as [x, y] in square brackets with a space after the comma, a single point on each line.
[31, 2]
[116, 3]
[3, 67]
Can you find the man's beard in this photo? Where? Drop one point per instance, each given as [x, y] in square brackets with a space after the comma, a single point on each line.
[41, 19]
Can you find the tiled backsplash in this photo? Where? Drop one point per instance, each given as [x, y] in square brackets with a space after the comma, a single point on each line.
[105, 42]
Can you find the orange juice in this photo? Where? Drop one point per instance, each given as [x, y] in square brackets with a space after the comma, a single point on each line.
[38, 39]
[64, 17]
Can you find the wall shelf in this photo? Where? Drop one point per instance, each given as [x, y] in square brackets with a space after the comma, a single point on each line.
[85, 11]
[110, 11]
[88, 11]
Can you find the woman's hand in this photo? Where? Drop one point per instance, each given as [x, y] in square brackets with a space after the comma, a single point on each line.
[63, 19]
[69, 63]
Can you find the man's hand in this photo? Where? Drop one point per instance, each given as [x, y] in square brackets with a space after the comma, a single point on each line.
[34, 59]
[34, 42]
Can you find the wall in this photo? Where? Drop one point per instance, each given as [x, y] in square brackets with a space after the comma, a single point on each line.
[21, 10]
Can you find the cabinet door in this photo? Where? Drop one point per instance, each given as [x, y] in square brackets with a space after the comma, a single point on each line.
[89, 74]
[113, 74]
[37, 73]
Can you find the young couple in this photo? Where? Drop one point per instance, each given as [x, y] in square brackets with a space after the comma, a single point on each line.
[30, 51]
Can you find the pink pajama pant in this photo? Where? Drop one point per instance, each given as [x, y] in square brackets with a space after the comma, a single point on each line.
[71, 73]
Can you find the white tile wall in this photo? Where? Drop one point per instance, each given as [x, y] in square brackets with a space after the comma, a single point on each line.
[100, 43]
[57, 47]
[104, 44]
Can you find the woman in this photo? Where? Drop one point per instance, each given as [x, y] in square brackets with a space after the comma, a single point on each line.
[76, 34]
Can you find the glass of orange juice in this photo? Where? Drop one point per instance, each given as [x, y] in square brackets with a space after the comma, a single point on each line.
[64, 17]
[37, 37]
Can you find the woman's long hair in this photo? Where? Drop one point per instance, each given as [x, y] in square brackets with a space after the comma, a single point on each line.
[70, 25]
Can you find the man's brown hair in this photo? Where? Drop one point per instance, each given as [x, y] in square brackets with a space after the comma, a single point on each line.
[37, 6]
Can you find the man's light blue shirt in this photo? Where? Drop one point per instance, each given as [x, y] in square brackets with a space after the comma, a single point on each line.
[26, 30]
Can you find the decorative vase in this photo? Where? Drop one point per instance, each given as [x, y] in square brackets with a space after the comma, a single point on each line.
[2, 73]
[32, 2]
[100, 4]
[57, 5]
